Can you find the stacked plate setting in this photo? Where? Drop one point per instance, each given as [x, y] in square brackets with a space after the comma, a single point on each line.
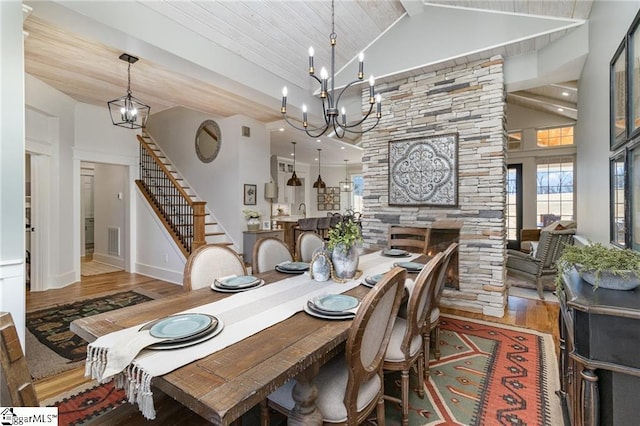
[372, 280]
[234, 284]
[292, 267]
[182, 330]
[391, 252]
[410, 266]
[332, 306]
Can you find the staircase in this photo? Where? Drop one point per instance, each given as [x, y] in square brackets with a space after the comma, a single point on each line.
[182, 212]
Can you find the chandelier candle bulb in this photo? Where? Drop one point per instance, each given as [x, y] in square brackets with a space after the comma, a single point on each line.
[311, 69]
[378, 105]
[344, 116]
[283, 108]
[361, 66]
[304, 115]
[371, 90]
[323, 88]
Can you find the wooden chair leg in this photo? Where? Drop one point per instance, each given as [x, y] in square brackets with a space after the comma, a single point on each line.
[540, 288]
[436, 341]
[405, 397]
[426, 346]
[420, 363]
[380, 412]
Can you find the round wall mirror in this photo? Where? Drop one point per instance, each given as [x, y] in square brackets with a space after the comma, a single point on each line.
[208, 141]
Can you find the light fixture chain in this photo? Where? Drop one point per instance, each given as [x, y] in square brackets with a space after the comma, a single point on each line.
[129, 78]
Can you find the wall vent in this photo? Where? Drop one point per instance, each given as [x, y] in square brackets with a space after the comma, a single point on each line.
[113, 247]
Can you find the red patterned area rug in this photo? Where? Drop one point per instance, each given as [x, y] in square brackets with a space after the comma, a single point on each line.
[84, 404]
[488, 374]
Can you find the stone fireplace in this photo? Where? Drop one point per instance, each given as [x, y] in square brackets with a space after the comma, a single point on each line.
[468, 100]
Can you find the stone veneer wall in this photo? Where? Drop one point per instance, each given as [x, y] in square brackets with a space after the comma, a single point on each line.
[469, 100]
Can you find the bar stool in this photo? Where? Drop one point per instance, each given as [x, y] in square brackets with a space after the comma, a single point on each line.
[324, 223]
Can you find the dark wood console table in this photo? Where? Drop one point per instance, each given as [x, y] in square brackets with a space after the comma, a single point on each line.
[599, 353]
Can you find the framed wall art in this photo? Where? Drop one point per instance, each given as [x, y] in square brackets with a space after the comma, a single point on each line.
[250, 194]
[424, 171]
[329, 198]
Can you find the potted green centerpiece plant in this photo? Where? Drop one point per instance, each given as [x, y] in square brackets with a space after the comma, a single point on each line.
[600, 266]
[342, 241]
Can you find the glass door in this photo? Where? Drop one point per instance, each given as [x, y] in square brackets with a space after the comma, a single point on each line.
[514, 205]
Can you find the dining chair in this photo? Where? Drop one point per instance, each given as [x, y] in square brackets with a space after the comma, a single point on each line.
[405, 345]
[209, 262]
[350, 386]
[304, 225]
[414, 239]
[432, 323]
[21, 392]
[267, 253]
[307, 243]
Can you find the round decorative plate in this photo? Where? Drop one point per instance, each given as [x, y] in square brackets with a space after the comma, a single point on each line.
[335, 302]
[180, 326]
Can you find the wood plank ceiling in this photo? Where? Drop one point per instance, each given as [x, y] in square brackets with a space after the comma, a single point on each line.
[273, 35]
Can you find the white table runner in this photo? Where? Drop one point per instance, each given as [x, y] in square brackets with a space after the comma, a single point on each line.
[243, 315]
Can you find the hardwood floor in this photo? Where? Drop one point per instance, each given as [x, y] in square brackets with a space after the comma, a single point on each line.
[527, 313]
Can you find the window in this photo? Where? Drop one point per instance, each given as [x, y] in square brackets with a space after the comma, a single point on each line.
[618, 227]
[358, 188]
[514, 205]
[514, 140]
[555, 137]
[554, 192]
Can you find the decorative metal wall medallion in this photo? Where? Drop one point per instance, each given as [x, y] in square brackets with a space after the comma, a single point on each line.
[424, 171]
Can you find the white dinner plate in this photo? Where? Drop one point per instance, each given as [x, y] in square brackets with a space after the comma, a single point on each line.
[395, 253]
[215, 287]
[317, 314]
[242, 281]
[180, 326]
[334, 303]
[410, 266]
[183, 344]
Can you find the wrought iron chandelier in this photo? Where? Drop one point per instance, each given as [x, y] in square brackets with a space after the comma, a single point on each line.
[128, 111]
[319, 183]
[330, 100]
[293, 180]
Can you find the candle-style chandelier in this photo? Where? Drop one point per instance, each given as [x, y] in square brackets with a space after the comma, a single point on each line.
[331, 101]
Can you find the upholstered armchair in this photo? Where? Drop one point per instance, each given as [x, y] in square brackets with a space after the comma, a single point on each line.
[542, 262]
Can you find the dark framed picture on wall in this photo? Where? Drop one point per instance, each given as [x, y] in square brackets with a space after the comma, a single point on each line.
[618, 96]
[250, 194]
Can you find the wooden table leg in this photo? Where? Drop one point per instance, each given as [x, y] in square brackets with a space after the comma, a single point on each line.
[304, 394]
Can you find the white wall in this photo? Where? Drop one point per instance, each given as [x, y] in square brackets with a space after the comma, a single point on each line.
[241, 160]
[12, 278]
[608, 23]
[110, 210]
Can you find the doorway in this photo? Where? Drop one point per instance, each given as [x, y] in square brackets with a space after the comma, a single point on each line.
[514, 205]
[87, 218]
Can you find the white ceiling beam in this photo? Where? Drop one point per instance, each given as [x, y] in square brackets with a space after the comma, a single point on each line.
[544, 100]
[413, 7]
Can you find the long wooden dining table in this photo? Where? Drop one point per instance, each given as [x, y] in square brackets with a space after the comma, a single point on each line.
[221, 387]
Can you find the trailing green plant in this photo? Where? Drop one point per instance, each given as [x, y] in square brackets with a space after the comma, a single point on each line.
[596, 258]
[347, 232]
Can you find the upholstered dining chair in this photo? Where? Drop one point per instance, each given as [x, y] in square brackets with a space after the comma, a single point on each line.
[350, 386]
[304, 225]
[209, 262]
[411, 238]
[405, 345]
[20, 391]
[432, 323]
[307, 243]
[267, 253]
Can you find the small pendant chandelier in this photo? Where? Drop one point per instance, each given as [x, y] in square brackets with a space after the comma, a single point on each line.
[346, 185]
[319, 183]
[128, 111]
[293, 180]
